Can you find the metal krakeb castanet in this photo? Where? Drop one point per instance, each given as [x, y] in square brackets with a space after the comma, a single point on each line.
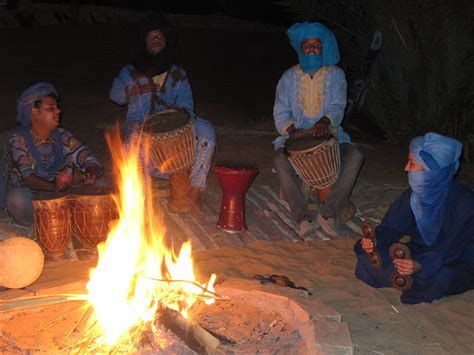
[400, 251]
[368, 231]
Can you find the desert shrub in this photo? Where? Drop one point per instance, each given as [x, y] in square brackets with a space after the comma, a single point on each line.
[422, 80]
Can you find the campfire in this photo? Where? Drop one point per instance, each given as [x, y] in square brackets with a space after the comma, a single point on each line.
[137, 274]
[142, 296]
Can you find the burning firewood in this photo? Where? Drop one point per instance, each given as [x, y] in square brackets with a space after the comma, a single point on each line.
[192, 334]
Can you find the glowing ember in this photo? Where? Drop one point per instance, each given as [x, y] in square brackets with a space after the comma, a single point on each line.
[136, 272]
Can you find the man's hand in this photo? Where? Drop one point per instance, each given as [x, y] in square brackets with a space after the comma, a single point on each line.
[407, 266]
[367, 245]
[63, 180]
[91, 174]
[295, 132]
[36, 183]
[321, 128]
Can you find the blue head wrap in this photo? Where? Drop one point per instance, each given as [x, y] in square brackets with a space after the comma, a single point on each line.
[439, 156]
[24, 103]
[309, 62]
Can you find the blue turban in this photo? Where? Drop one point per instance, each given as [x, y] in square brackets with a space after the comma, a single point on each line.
[24, 103]
[439, 156]
[434, 151]
[309, 62]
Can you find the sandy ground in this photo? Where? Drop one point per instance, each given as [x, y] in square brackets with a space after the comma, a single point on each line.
[234, 76]
[377, 321]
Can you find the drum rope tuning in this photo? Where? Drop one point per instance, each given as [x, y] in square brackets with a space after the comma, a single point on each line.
[172, 151]
[316, 160]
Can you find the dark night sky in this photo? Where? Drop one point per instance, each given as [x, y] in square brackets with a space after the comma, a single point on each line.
[257, 10]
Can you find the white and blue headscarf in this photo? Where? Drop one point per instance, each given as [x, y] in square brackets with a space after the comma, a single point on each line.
[310, 63]
[439, 156]
[24, 103]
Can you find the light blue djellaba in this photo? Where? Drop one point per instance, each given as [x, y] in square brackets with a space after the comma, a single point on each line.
[175, 93]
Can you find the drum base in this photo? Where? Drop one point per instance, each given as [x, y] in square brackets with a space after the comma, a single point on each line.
[55, 256]
[232, 214]
[234, 182]
[319, 194]
[231, 231]
[195, 197]
[323, 193]
[179, 191]
[179, 206]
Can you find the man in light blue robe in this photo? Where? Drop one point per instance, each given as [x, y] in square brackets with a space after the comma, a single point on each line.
[153, 83]
[311, 99]
[437, 214]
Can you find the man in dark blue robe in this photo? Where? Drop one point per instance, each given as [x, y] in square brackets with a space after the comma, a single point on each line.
[438, 216]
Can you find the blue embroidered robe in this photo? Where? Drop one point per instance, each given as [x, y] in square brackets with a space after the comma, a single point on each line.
[302, 100]
[175, 92]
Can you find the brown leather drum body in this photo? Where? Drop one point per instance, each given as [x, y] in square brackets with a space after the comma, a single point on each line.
[173, 141]
[53, 227]
[91, 216]
[317, 161]
[172, 150]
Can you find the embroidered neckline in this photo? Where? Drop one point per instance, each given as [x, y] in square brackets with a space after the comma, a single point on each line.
[159, 80]
[311, 90]
[40, 140]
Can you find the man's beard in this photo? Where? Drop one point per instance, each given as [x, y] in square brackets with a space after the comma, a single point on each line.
[150, 65]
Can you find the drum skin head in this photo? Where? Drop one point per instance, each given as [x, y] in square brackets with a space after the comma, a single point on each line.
[21, 262]
[166, 121]
[303, 143]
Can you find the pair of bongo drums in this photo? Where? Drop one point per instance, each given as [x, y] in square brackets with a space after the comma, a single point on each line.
[88, 217]
[316, 160]
[172, 151]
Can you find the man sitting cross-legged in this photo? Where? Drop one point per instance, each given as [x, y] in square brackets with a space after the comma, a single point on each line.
[437, 214]
[40, 157]
[310, 99]
[153, 83]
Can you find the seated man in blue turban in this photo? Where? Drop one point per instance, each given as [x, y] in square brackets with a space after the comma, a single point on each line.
[437, 214]
[40, 158]
[153, 83]
[310, 99]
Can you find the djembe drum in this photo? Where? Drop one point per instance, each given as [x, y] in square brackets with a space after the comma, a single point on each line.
[316, 160]
[234, 180]
[53, 227]
[172, 151]
[91, 216]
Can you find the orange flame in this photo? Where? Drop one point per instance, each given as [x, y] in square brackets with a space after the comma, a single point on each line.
[136, 272]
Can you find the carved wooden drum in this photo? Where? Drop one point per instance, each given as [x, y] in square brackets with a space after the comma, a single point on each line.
[173, 144]
[53, 227]
[317, 161]
[173, 141]
[91, 216]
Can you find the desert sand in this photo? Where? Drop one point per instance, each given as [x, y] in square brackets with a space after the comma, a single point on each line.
[233, 76]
